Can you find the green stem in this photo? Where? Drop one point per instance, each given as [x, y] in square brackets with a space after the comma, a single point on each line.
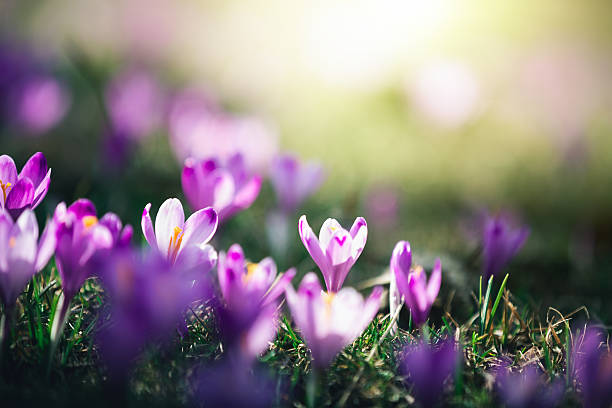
[311, 388]
[59, 321]
[5, 333]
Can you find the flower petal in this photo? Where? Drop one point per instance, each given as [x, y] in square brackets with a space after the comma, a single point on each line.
[279, 286]
[169, 216]
[42, 189]
[327, 230]
[20, 196]
[46, 245]
[6, 225]
[313, 247]
[338, 251]
[359, 233]
[401, 260]
[147, 226]
[435, 280]
[200, 227]
[35, 169]
[82, 208]
[8, 170]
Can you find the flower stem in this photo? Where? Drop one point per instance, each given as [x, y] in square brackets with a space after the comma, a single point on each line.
[5, 334]
[59, 321]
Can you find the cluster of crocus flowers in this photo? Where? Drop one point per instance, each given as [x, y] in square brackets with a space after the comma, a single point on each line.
[336, 250]
[26, 189]
[146, 301]
[426, 368]
[294, 181]
[412, 284]
[227, 188]
[250, 295]
[330, 321]
[180, 242]
[591, 363]
[500, 241]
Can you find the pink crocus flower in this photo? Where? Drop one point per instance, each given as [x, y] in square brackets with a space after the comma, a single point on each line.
[22, 254]
[336, 249]
[250, 292]
[181, 242]
[330, 321]
[26, 189]
[419, 294]
[228, 189]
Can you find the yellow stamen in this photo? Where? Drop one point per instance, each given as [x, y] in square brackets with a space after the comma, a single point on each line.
[251, 268]
[12, 242]
[89, 221]
[5, 189]
[175, 243]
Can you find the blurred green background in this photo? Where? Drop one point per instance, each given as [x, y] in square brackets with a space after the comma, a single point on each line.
[445, 106]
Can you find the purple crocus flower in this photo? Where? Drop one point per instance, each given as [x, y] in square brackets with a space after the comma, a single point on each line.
[228, 189]
[336, 249]
[330, 321]
[181, 242]
[21, 253]
[42, 103]
[135, 103]
[232, 383]
[427, 367]
[81, 236]
[500, 243]
[592, 368]
[146, 302]
[527, 388]
[412, 284]
[250, 292]
[294, 181]
[26, 189]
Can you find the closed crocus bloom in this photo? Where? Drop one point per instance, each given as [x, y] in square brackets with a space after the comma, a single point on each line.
[80, 237]
[426, 368]
[336, 249]
[228, 189]
[419, 294]
[592, 367]
[294, 181]
[22, 254]
[250, 292]
[330, 321]
[182, 243]
[501, 241]
[26, 189]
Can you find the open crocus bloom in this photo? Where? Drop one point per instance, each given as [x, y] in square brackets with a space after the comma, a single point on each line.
[336, 249]
[21, 254]
[249, 292]
[182, 243]
[500, 243]
[228, 189]
[330, 321]
[26, 189]
[80, 237]
[294, 181]
[412, 283]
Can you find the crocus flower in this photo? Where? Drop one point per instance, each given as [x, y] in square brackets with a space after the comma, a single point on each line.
[181, 242]
[135, 102]
[501, 241]
[330, 321]
[250, 292]
[228, 189]
[294, 181]
[527, 388]
[81, 236]
[21, 253]
[336, 249]
[42, 103]
[592, 367]
[146, 303]
[232, 383]
[427, 367]
[26, 189]
[412, 284]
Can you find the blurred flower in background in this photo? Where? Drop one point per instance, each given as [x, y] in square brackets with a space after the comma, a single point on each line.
[501, 240]
[591, 361]
[528, 388]
[447, 93]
